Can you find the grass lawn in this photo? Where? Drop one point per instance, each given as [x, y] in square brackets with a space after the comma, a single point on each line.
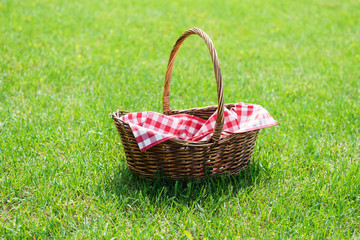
[66, 65]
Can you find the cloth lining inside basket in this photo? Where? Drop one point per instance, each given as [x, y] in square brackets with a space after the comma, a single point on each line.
[151, 128]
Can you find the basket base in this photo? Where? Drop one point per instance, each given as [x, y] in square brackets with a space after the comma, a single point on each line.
[168, 160]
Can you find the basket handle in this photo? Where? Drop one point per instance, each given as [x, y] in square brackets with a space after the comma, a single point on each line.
[217, 70]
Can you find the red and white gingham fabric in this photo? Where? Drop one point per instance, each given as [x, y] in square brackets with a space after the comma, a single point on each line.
[150, 128]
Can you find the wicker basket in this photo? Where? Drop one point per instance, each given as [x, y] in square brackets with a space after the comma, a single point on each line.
[179, 159]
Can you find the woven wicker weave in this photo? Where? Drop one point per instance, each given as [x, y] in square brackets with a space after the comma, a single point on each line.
[179, 159]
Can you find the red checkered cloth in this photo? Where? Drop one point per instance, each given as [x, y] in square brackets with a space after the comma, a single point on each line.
[151, 128]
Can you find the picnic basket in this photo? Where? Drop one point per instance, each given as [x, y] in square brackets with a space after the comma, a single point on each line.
[178, 158]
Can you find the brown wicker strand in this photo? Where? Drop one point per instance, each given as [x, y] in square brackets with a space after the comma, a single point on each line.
[217, 70]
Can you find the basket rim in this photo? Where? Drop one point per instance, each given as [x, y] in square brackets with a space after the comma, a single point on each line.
[183, 142]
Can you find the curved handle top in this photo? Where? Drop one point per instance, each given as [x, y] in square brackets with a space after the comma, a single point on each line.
[217, 70]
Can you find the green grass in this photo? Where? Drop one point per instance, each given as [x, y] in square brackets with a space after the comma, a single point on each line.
[65, 65]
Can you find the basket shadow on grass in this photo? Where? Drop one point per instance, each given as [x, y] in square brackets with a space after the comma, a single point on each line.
[127, 186]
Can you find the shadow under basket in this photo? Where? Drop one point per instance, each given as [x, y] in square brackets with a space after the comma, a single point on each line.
[183, 159]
